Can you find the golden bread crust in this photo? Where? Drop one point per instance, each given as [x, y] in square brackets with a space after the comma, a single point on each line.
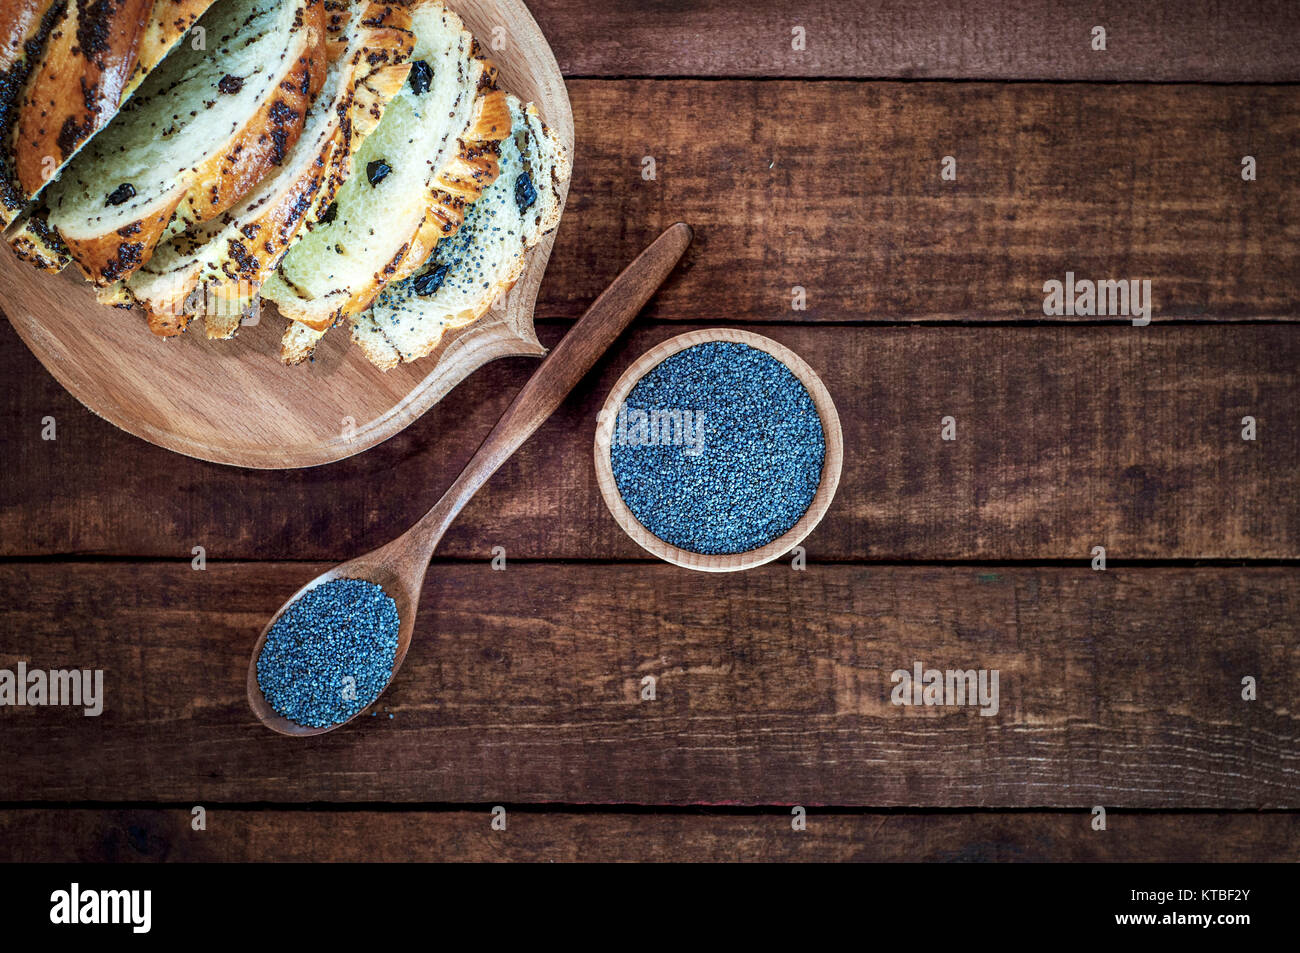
[381, 48]
[222, 179]
[25, 26]
[82, 79]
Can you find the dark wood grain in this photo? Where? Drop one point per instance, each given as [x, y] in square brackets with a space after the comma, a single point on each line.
[835, 187]
[151, 835]
[1120, 688]
[980, 39]
[1067, 438]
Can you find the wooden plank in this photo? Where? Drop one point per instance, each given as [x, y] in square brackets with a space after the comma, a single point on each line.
[967, 39]
[773, 687]
[98, 835]
[836, 188]
[1067, 438]
[1127, 182]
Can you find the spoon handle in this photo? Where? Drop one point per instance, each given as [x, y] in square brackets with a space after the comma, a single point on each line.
[567, 364]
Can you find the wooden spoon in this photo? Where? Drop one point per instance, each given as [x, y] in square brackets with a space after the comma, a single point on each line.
[400, 566]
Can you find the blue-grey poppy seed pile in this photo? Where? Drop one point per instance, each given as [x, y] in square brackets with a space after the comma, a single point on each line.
[718, 449]
[331, 653]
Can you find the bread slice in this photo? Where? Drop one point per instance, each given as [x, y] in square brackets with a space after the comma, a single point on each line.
[298, 343]
[199, 133]
[169, 20]
[469, 271]
[34, 242]
[230, 256]
[97, 55]
[432, 154]
[25, 25]
[338, 13]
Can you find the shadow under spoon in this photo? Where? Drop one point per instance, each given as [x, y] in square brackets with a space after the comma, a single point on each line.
[399, 567]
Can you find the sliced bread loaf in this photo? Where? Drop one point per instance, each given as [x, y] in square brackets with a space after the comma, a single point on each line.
[432, 154]
[467, 272]
[97, 55]
[200, 133]
[230, 256]
[25, 25]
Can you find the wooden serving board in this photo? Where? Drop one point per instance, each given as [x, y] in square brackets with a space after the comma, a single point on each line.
[233, 401]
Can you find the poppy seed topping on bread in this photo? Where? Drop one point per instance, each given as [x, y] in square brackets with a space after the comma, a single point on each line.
[468, 271]
[198, 134]
[231, 256]
[436, 146]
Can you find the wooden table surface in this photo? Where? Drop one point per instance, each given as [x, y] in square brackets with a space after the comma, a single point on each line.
[818, 169]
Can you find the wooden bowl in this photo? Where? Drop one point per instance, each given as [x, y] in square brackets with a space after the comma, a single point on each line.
[233, 401]
[647, 540]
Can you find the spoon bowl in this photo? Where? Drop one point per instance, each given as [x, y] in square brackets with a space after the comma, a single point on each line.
[399, 567]
[372, 567]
